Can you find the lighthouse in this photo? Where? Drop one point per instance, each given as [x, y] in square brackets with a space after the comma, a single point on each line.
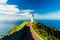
[32, 18]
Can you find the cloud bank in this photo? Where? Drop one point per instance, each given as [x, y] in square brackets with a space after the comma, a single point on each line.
[3, 1]
[49, 16]
[11, 12]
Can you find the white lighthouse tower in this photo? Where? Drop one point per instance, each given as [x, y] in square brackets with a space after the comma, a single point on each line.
[32, 18]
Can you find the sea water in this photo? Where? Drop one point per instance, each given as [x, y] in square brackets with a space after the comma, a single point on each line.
[5, 26]
[51, 23]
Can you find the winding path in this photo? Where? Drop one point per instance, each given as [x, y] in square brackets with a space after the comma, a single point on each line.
[35, 36]
[30, 34]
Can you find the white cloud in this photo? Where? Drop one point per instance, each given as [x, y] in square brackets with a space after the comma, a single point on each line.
[27, 11]
[49, 16]
[8, 9]
[12, 12]
[13, 17]
[3, 1]
[22, 15]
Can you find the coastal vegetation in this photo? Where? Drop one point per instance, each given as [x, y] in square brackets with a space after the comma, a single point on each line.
[45, 32]
[15, 29]
[16, 33]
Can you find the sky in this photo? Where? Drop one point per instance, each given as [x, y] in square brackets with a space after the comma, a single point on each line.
[22, 9]
[43, 9]
[40, 6]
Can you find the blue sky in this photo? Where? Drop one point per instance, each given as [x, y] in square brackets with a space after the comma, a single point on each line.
[41, 9]
[40, 6]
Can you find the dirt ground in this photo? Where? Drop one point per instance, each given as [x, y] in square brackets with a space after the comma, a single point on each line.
[30, 34]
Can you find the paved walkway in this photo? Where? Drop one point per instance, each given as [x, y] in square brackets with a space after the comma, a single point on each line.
[30, 34]
[35, 36]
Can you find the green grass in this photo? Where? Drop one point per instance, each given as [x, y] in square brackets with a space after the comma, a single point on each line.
[15, 29]
[39, 28]
[41, 31]
[38, 32]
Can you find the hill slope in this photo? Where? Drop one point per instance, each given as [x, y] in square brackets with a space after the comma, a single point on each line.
[42, 30]
[46, 32]
[16, 33]
[15, 29]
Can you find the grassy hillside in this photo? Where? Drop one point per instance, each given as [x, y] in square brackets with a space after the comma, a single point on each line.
[1, 36]
[15, 29]
[46, 32]
[16, 33]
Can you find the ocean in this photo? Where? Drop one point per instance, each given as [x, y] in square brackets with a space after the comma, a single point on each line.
[51, 23]
[5, 26]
